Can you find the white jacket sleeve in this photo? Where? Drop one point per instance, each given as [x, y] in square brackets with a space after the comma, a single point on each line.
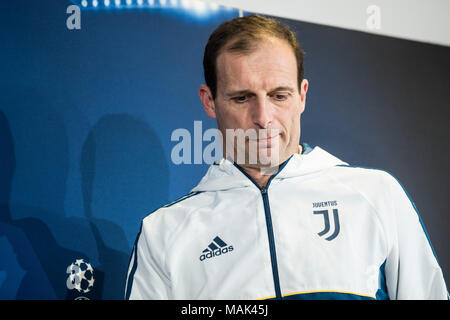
[412, 270]
[146, 279]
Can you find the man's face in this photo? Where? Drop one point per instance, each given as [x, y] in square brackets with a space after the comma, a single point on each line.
[259, 91]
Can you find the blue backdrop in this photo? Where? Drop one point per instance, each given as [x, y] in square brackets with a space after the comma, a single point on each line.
[86, 118]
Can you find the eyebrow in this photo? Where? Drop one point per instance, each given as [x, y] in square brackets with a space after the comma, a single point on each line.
[247, 91]
[289, 89]
[238, 93]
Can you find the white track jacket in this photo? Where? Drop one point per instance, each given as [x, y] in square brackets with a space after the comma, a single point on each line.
[320, 229]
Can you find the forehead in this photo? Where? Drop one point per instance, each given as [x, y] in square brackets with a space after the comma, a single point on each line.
[272, 63]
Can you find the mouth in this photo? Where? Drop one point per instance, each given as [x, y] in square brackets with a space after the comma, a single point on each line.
[266, 141]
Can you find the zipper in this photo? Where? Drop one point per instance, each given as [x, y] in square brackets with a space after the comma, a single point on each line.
[273, 252]
[269, 226]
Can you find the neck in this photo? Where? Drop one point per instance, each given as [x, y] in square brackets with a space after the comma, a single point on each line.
[257, 175]
[261, 175]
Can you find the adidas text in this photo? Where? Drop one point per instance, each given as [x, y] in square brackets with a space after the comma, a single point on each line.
[216, 253]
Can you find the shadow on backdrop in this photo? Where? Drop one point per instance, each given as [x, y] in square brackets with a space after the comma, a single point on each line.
[23, 273]
[34, 175]
[20, 270]
[124, 177]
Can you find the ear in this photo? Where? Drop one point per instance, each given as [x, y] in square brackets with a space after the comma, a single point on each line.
[207, 100]
[303, 90]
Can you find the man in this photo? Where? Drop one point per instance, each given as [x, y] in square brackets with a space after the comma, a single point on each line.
[315, 228]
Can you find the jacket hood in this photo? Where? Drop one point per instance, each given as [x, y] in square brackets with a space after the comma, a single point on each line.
[224, 174]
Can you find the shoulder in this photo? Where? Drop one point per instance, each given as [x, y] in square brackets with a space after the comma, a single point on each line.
[178, 207]
[361, 175]
[381, 190]
[378, 186]
[165, 221]
[184, 198]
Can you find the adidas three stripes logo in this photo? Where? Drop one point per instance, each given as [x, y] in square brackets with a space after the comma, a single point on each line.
[216, 248]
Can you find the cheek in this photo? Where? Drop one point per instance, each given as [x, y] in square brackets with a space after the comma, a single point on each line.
[291, 128]
[231, 118]
[291, 120]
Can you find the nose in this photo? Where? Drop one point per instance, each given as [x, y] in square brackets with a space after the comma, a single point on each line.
[262, 112]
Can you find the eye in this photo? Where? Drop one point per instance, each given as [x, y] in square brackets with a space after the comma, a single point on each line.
[240, 99]
[280, 96]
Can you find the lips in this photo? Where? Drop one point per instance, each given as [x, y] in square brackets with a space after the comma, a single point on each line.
[268, 138]
[266, 141]
[264, 134]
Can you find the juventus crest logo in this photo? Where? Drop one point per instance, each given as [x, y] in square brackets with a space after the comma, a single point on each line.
[326, 219]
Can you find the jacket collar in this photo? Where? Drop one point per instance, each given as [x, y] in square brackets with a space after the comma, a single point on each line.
[225, 175]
